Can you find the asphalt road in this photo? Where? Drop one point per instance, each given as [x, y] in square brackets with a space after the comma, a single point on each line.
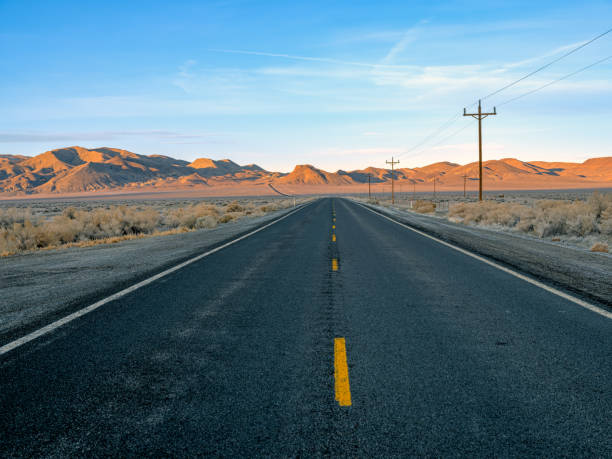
[234, 356]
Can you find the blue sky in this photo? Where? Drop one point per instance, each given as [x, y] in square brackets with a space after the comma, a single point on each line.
[341, 85]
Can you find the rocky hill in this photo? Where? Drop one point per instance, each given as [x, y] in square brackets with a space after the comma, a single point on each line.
[77, 169]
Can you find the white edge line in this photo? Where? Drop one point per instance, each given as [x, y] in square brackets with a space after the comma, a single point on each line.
[86, 310]
[552, 290]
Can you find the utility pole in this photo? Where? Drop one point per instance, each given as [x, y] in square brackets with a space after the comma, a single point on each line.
[479, 116]
[393, 163]
[369, 188]
[434, 187]
[464, 182]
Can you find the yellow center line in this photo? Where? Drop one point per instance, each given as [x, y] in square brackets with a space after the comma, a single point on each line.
[334, 264]
[333, 226]
[343, 388]
[333, 238]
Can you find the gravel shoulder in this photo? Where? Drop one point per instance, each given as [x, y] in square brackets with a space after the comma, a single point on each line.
[575, 270]
[39, 287]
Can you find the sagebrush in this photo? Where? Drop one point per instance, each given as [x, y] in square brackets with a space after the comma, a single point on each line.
[21, 230]
[544, 218]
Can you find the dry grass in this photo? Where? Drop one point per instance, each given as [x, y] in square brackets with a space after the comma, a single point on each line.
[22, 230]
[423, 207]
[543, 218]
[580, 218]
[599, 247]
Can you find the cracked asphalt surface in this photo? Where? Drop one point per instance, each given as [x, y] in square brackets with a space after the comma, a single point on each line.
[233, 356]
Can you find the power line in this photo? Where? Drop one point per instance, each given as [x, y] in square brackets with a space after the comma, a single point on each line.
[548, 65]
[448, 137]
[463, 128]
[455, 118]
[555, 81]
[447, 124]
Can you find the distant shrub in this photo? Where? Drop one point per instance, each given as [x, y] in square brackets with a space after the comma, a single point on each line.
[234, 207]
[20, 230]
[278, 205]
[14, 215]
[268, 208]
[545, 218]
[423, 207]
[226, 218]
[207, 221]
[203, 209]
[599, 247]
[70, 212]
[187, 217]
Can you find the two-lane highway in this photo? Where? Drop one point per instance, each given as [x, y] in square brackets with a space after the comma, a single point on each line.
[332, 332]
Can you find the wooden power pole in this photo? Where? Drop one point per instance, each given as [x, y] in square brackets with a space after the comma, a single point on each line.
[464, 182]
[479, 116]
[369, 187]
[393, 163]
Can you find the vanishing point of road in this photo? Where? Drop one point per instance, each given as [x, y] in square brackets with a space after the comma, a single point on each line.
[334, 331]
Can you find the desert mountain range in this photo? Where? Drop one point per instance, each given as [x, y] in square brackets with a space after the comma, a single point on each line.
[77, 169]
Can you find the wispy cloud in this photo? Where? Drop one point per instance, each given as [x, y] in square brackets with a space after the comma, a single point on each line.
[408, 37]
[306, 58]
[552, 52]
[185, 75]
[27, 137]
[348, 36]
